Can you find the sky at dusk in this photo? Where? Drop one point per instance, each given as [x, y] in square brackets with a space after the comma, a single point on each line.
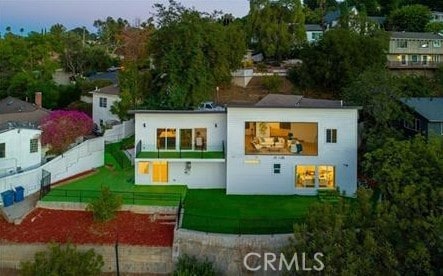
[35, 15]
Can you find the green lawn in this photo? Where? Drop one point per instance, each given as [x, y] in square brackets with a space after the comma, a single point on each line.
[120, 181]
[214, 211]
[183, 154]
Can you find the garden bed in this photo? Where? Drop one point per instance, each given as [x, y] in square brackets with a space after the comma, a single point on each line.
[78, 227]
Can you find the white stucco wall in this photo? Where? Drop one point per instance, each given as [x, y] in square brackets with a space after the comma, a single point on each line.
[146, 125]
[203, 174]
[244, 177]
[18, 150]
[103, 113]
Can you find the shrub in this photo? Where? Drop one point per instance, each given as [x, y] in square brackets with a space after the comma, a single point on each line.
[63, 260]
[104, 208]
[272, 83]
[190, 266]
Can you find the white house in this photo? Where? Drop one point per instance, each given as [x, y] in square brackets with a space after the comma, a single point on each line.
[314, 32]
[284, 144]
[20, 147]
[102, 100]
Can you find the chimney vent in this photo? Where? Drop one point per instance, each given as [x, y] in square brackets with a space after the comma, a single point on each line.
[38, 99]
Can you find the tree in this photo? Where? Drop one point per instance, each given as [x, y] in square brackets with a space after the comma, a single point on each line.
[61, 128]
[410, 174]
[338, 59]
[192, 54]
[109, 32]
[397, 235]
[63, 260]
[412, 18]
[349, 235]
[277, 26]
[434, 27]
[377, 90]
[105, 207]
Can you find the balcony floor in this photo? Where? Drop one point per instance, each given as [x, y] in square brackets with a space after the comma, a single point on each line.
[182, 155]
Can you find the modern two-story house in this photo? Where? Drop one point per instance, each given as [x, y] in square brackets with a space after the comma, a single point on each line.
[284, 144]
[418, 51]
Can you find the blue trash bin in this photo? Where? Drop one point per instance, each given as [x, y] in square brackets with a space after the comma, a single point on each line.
[19, 194]
[8, 198]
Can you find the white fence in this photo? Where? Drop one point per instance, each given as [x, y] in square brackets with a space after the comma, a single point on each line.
[83, 157]
[120, 131]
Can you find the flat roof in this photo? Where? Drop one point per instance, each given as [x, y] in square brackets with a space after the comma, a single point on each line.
[146, 111]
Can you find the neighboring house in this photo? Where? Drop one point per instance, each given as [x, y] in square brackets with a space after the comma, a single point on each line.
[285, 144]
[314, 32]
[427, 116]
[412, 50]
[20, 146]
[102, 100]
[437, 16]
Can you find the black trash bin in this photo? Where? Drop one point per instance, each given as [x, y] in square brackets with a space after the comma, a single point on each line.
[19, 194]
[8, 198]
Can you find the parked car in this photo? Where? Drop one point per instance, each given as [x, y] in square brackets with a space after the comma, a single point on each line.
[210, 106]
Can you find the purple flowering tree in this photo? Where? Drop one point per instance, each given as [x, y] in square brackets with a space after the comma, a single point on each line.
[61, 127]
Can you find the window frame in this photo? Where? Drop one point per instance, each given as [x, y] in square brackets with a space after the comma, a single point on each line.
[401, 43]
[2, 150]
[33, 145]
[103, 102]
[277, 168]
[331, 136]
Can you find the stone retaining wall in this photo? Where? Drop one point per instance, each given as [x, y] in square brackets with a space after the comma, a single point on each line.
[227, 252]
[132, 259]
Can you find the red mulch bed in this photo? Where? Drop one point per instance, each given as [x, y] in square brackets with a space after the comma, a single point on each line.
[78, 227]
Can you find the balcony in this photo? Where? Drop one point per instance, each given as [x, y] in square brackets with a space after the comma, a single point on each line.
[151, 152]
[413, 65]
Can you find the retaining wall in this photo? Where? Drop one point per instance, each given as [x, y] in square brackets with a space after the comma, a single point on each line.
[228, 251]
[132, 259]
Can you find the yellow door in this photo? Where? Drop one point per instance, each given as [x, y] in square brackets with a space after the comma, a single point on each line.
[160, 172]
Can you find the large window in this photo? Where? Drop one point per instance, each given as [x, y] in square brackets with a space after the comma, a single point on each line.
[305, 176]
[310, 176]
[166, 138]
[2, 150]
[281, 138]
[103, 102]
[200, 138]
[326, 177]
[33, 145]
[186, 139]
